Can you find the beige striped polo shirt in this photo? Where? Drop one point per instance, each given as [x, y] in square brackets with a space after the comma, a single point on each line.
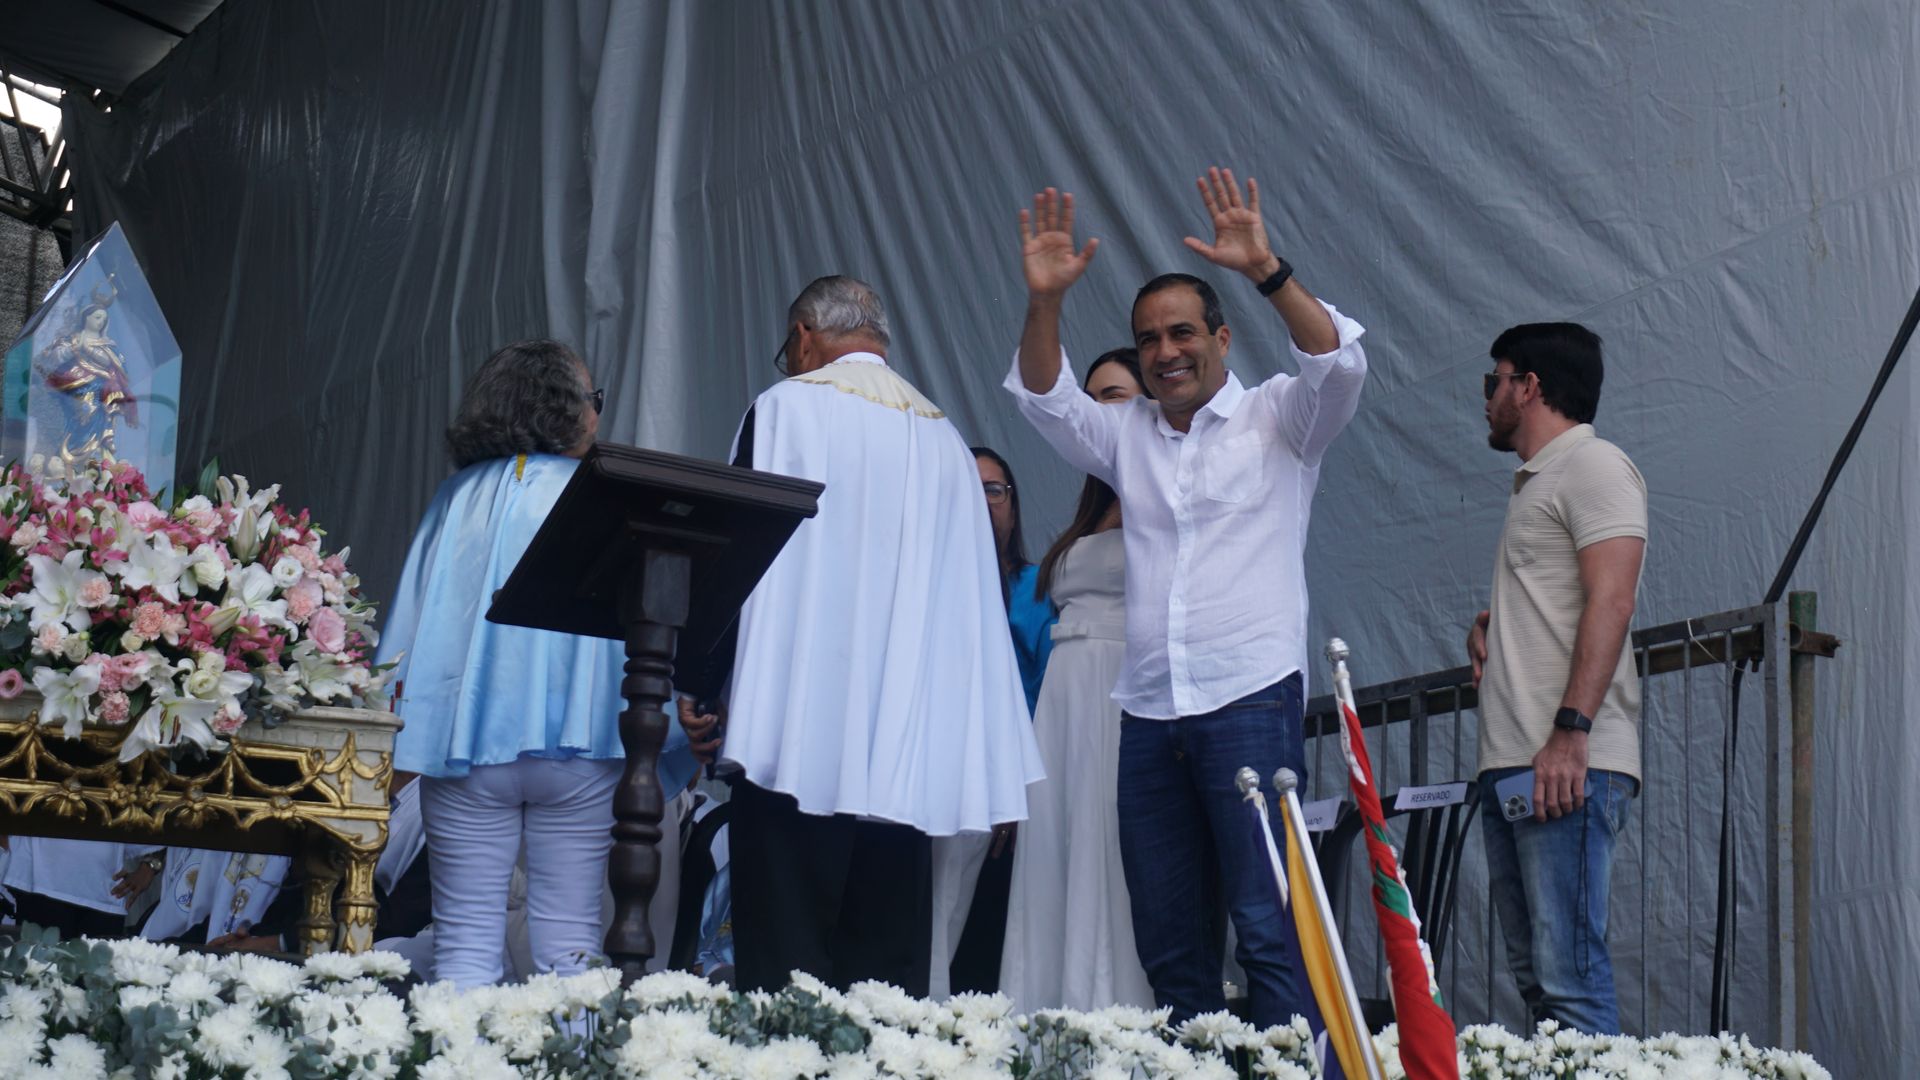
[1577, 490]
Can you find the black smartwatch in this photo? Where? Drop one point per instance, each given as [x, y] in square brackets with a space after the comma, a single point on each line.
[1571, 719]
[1277, 278]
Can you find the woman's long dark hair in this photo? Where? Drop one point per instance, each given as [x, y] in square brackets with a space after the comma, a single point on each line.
[1013, 557]
[1096, 498]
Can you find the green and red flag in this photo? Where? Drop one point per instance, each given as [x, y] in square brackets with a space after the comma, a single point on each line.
[1427, 1044]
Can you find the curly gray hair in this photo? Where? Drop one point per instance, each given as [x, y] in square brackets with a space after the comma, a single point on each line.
[528, 398]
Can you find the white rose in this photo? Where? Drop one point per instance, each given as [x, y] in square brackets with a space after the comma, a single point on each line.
[76, 647]
[211, 661]
[203, 684]
[209, 573]
[287, 571]
[132, 642]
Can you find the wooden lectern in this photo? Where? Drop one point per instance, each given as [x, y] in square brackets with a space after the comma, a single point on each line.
[632, 540]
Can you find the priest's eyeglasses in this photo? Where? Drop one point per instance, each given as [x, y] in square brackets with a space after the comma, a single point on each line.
[599, 400]
[996, 491]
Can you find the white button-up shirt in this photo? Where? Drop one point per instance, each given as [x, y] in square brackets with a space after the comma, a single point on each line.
[1215, 521]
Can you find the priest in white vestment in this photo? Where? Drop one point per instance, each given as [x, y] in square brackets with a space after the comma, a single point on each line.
[875, 698]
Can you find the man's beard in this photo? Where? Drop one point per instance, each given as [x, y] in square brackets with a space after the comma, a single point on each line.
[1500, 435]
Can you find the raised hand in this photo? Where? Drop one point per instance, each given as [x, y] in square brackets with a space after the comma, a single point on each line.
[1046, 245]
[1239, 234]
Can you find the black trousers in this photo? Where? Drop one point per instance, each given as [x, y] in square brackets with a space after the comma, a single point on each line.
[72, 920]
[841, 899]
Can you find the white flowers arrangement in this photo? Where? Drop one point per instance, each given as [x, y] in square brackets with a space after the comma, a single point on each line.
[178, 623]
[135, 1010]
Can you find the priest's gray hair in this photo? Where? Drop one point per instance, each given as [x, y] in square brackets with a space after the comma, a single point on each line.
[528, 398]
[841, 306]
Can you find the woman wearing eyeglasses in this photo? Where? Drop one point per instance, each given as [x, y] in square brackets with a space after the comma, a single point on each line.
[513, 731]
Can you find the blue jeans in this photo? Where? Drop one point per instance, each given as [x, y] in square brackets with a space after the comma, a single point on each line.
[1549, 881]
[1185, 839]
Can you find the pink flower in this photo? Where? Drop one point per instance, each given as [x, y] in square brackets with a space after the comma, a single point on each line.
[11, 683]
[228, 720]
[328, 630]
[96, 593]
[146, 515]
[113, 708]
[149, 620]
[306, 557]
[127, 669]
[304, 599]
[49, 638]
[205, 520]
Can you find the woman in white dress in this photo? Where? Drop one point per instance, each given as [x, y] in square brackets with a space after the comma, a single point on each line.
[1069, 926]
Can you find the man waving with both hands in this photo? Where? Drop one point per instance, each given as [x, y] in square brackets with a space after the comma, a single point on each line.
[1215, 480]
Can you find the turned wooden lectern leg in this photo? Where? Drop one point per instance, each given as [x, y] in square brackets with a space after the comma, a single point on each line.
[653, 607]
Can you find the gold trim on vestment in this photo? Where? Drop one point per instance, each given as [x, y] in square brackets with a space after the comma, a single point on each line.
[876, 383]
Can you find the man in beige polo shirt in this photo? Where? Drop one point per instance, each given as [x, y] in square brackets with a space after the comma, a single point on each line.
[1558, 692]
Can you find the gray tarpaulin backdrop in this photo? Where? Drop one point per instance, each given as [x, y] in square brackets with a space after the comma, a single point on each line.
[344, 205]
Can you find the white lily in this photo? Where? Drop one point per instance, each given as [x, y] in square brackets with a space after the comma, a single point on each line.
[155, 564]
[250, 592]
[324, 679]
[68, 696]
[172, 720]
[57, 587]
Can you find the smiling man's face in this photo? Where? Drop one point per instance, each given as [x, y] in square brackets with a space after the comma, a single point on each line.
[1181, 361]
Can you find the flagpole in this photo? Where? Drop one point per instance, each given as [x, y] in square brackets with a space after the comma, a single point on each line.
[1287, 783]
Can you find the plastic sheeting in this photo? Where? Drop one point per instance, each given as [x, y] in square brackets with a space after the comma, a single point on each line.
[344, 206]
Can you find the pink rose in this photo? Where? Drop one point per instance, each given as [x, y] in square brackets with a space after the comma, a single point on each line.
[11, 683]
[328, 630]
[204, 521]
[304, 599]
[125, 670]
[146, 515]
[113, 708]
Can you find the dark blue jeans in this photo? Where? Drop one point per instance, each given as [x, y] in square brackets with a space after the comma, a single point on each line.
[1185, 842]
[1549, 881]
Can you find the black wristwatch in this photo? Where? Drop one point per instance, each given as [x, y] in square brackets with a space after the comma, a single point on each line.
[1571, 719]
[1277, 278]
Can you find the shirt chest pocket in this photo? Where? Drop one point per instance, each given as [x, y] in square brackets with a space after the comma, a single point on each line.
[1530, 535]
[1232, 469]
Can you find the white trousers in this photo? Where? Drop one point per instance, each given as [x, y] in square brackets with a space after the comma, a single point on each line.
[561, 812]
[957, 862]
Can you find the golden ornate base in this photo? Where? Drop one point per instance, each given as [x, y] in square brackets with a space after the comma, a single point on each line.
[314, 787]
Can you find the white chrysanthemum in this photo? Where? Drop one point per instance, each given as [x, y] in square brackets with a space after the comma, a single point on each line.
[852, 1067]
[335, 965]
[190, 991]
[72, 1004]
[994, 1043]
[442, 1011]
[221, 1038]
[259, 979]
[1218, 1031]
[664, 987]
[139, 997]
[76, 1056]
[26, 1004]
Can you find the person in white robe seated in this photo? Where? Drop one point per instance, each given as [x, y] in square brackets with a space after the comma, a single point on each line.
[514, 731]
[875, 699]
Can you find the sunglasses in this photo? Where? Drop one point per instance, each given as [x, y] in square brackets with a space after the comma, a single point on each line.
[599, 400]
[1490, 382]
[996, 491]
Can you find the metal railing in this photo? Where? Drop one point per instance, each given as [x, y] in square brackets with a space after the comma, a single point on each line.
[1664, 899]
[36, 184]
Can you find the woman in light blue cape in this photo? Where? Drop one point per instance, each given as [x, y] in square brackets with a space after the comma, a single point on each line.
[514, 731]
